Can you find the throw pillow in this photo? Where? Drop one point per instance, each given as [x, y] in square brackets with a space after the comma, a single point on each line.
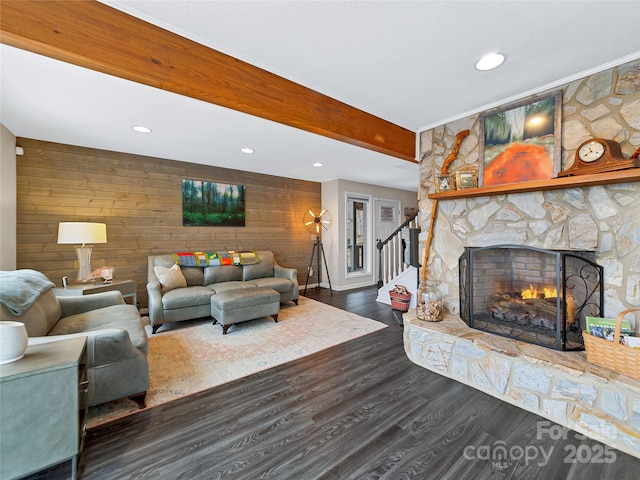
[170, 278]
[265, 268]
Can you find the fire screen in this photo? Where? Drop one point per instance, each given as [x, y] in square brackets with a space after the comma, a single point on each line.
[530, 294]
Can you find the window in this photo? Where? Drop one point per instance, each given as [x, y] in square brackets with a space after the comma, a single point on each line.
[358, 236]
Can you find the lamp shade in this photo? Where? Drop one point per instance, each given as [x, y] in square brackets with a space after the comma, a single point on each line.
[82, 232]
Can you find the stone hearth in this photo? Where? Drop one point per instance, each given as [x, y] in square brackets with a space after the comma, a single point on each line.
[560, 386]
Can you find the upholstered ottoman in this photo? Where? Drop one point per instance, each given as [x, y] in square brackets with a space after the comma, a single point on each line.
[236, 306]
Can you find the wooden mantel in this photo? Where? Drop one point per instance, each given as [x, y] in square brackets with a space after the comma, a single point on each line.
[99, 37]
[578, 181]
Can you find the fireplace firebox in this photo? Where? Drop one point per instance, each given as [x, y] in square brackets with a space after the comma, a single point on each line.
[530, 294]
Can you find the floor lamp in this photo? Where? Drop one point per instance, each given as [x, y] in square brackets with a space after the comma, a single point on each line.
[315, 224]
[82, 233]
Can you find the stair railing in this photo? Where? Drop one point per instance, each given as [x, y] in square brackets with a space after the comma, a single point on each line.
[392, 250]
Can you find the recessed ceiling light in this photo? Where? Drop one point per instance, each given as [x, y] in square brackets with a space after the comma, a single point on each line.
[317, 164]
[247, 150]
[490, 61]
[141, 129]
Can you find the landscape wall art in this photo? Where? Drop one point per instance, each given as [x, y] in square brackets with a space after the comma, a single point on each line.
[210, 204]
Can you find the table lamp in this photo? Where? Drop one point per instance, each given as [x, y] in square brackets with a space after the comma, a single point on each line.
[82, 233]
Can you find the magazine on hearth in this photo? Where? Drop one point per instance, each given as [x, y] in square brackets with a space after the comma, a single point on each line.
[633, 342]
[606, 327]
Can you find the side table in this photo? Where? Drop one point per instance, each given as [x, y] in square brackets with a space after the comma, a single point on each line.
[43, 409]
[128, 288]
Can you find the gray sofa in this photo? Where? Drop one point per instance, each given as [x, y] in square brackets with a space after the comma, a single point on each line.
[193, 299]
[117, 344]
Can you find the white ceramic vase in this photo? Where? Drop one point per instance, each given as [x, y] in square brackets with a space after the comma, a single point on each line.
[13, 341]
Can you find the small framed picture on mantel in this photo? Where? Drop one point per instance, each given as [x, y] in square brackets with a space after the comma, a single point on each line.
[466, 177]
[444, 183]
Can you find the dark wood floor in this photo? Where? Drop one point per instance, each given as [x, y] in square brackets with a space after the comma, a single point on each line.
[360, 410]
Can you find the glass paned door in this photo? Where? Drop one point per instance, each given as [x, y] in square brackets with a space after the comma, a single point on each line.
[358, 235]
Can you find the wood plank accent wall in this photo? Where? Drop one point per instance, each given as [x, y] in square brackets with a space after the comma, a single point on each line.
[140, 200]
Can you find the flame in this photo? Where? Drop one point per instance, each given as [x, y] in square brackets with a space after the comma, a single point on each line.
[533, 292]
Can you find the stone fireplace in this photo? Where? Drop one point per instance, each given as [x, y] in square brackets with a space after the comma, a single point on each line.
[530, 294]
[603, 218]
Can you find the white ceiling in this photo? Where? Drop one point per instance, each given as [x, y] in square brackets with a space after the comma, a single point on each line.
[409, 62]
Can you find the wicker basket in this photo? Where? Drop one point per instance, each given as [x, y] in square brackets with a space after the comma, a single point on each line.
[612, 355]
[400, 298]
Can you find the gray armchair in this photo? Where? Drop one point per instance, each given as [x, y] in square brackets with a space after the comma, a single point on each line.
[117, 343]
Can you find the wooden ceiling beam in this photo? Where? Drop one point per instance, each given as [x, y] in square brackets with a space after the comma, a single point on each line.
[101, 38]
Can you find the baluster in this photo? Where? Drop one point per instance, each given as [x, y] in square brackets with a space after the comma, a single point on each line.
[387, 263]
[390, 261]
[385, 256]
[395, 256]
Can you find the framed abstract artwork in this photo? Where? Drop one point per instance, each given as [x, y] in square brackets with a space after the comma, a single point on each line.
[521, 142]
[210, 204]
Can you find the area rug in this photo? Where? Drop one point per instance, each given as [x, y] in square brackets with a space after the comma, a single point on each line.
[191, 356]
